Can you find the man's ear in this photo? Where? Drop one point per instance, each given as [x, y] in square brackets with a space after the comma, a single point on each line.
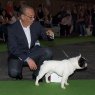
[22, 17]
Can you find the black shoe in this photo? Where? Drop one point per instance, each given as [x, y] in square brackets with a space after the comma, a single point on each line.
[34, 78]
[19, 77]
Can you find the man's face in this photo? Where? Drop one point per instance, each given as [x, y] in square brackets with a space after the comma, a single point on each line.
[67, 17]
[29, 17]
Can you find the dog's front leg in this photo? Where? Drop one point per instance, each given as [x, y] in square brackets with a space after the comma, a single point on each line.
[63, 81]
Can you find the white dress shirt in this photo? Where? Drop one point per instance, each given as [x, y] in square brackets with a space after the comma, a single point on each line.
[27, 33]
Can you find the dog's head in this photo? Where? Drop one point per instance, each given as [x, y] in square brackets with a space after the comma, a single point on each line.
[81, 62]
[78, 62]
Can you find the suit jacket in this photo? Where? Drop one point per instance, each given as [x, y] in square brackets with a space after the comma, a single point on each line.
[17, 41]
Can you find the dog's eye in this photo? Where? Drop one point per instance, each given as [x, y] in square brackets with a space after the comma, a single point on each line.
[81, 62]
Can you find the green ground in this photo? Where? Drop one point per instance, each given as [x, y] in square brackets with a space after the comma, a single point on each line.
[76, 87]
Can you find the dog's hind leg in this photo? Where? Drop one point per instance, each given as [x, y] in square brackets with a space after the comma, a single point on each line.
[47, 76]
[40, 75]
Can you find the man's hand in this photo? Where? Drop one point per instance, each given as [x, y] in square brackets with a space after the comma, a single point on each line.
[50, 33]
[32, 64]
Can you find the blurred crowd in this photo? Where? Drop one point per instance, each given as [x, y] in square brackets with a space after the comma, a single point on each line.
[78, 20]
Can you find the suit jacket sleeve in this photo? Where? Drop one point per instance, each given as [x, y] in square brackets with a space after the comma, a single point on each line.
[43, 33]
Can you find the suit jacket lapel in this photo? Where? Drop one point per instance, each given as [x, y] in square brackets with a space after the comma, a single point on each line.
[31, 36]
[22, 34]
[32, 32]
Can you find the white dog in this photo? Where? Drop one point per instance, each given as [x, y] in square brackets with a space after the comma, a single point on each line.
[63, 68]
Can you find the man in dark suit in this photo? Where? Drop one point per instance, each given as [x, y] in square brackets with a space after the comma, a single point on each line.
[22, 36]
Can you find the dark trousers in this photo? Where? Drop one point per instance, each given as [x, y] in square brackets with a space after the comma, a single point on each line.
[3, 30]
[1, 35]
[64, 30]
[38, 55]
[93, 22]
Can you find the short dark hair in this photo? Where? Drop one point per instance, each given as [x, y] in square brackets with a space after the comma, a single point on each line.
[40, 5]
[23, 9]
[62, 6]
[67, 15]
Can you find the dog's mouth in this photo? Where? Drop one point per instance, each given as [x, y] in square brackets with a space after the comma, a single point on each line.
[85, 65]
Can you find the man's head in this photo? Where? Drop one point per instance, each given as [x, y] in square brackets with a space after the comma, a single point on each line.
[67, 16]
[27, 15]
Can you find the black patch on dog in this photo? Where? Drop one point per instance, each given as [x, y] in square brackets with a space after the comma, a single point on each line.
[82, 62]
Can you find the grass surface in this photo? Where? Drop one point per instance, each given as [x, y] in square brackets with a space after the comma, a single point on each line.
[57, 41]
[76, 87]
[3, 47]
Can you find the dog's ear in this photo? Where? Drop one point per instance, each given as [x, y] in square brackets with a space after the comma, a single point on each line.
[79, 56]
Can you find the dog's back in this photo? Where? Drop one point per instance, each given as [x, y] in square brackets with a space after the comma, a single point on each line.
[55, 63]
[56, 66]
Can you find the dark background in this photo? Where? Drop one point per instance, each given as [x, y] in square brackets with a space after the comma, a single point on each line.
[54, 6]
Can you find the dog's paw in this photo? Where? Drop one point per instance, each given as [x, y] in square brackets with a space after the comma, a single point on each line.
[63, 87]
[36, 84]
[47, 81]
[66, 83]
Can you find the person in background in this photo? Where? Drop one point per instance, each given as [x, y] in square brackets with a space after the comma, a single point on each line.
[4, 18]
[22, 36]
[4, 24]
[46, 10]
[15, 6]
[1, 9]
[74, 14]
[10, 9]
[56, 19]
[82, 23]
[68, 10]
[48, 20]
[93, 19]
[66, 26]
[22, 3]
[62, 11]
[40, 14]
